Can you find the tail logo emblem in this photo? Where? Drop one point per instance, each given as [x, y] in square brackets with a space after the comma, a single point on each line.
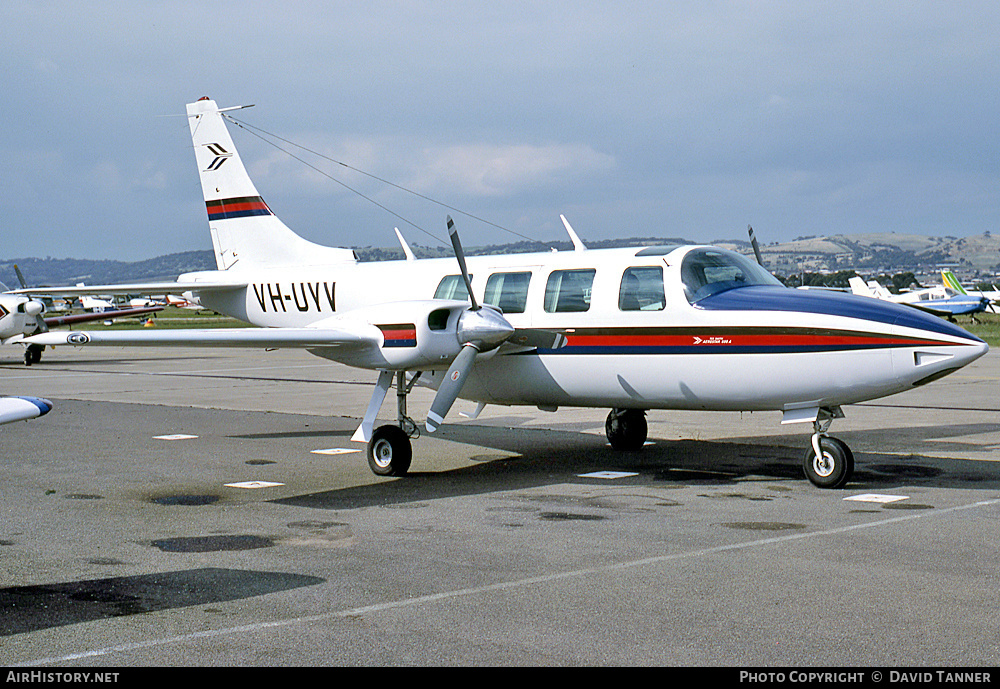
[221, 156]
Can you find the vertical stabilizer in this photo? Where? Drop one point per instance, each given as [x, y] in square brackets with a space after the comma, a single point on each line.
[951, 282]
[859, 287]
[245, 232]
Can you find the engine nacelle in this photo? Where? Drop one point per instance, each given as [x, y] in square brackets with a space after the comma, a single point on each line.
[416, 335]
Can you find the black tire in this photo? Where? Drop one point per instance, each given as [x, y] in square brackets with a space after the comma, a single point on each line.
[32, 355]
[835, 467]
[389, 451]
[626, 429]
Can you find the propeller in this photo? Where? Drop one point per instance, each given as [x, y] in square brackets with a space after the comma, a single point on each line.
[33, 307]
[756, 247]
[480, 329]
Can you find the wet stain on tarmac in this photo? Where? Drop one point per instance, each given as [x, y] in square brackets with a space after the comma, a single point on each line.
[320, 534]
[764, 526]
[31, 608]
[569, 516]
[186, 500]
[211, 544]
[744, 496]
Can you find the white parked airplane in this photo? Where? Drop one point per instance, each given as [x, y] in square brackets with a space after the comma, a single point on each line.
[21, 316]
[664, 327]
[940, 300]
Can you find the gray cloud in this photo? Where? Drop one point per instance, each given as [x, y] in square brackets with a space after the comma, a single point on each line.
[668, 119]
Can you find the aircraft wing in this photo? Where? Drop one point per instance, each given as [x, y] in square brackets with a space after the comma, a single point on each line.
[56, 321]
[134, 288]
[949, 307]
[348, 336]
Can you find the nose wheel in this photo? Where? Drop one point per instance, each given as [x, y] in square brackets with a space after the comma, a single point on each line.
[829, 462]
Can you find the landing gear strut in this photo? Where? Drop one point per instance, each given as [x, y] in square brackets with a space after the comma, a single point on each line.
[626, 428]
[389, 448]
[829, 462]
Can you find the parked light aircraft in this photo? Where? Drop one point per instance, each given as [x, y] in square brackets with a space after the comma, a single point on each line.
[952, 282]
[21, 316]
[939, 300]
[663, 327]
[22, 408]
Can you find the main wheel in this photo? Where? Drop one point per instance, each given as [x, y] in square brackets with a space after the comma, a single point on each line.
[626, 428]
[389, 451]
[834, 468]
[32, 355]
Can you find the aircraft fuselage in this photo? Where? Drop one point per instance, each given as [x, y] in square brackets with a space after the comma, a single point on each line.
[758, 347]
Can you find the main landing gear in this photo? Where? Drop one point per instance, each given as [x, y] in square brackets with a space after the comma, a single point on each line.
[829, 462]
[32, 354]
[389, 448]
[626, 428]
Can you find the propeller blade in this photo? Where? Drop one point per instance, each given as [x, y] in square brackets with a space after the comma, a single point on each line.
[540, 339]
[20, 278]
[452, 385]
[756, 247]
[39, 321]
[460, 255]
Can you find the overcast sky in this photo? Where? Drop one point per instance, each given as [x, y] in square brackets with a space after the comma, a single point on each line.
[689, 119]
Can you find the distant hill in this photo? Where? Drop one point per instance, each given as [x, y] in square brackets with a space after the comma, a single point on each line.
[974, 256]
[971, 257]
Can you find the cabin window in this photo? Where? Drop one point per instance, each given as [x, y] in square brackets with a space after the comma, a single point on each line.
[705, 272]
[452, 287]
[642, 289]
[508, 291]
[569, 290]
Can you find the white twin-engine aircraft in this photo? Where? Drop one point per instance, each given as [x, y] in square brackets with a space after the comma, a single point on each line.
[664, 327]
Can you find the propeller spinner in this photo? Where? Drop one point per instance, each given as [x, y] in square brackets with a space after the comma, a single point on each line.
[33, 308]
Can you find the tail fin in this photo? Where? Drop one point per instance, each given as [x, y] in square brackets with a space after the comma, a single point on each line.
[859, 287]
[951, 282]
[245, 232]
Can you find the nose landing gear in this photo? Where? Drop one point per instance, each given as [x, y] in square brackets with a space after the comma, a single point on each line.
[829, 462]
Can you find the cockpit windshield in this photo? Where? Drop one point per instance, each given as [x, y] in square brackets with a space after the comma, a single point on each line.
[708, 271]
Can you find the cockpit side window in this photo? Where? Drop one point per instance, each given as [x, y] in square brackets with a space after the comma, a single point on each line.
[508, 291]
[452, 287]
[569, 290]
[642, 289]
[705, 272]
